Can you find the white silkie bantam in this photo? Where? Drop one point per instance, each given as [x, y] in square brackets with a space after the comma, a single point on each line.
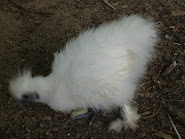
[99, 69]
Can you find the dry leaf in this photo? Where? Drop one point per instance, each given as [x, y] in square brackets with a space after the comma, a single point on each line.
[177, 13]
[106, 1]
[145, 113]
[169, 69]
[163, 135]
[125, 6]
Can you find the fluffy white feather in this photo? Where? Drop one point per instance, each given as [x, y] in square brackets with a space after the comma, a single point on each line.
[99, 69]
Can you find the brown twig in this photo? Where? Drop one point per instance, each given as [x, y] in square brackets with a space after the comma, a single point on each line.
[106, 2]
[29, 10]
[175, 100]
[177, 114]
[165, 107]
[169, 69]
[171, 132]
[145, 117]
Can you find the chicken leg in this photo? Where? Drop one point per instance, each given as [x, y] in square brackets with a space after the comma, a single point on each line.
[84, 113]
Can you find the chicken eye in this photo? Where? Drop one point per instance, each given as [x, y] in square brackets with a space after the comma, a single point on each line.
[25, 97]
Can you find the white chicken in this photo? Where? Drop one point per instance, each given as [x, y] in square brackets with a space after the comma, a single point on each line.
[99, 69]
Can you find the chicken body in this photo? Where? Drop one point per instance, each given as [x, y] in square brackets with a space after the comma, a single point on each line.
[99, 69]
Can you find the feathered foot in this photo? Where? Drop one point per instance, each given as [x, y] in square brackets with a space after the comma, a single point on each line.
[84, 113]
[130, 117]
[128, 120]
[79, 112]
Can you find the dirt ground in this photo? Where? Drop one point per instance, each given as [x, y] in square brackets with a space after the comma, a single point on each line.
[32, 30]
